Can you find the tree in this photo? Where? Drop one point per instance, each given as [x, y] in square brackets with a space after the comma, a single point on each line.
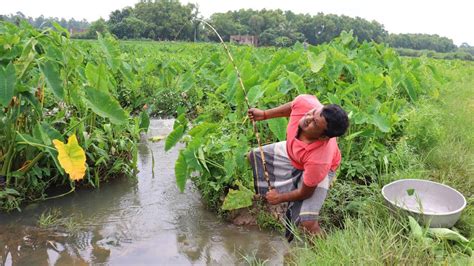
[169, 19]
[96, 26]
[422, 41]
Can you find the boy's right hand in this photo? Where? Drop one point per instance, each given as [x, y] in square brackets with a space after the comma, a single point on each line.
[256, 114]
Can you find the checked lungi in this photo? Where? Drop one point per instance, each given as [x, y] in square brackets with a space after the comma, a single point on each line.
[284, 177]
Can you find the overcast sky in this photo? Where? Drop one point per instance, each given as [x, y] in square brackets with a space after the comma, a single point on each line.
[453, 19]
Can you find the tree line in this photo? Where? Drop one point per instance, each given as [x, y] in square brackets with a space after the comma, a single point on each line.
[47, 22]
[171, 20]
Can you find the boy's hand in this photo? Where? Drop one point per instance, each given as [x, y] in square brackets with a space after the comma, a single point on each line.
[273, 197]
[256, 114]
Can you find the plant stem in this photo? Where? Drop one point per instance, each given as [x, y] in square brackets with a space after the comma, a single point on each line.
[58, 196]
[27, 168]
[7, 160]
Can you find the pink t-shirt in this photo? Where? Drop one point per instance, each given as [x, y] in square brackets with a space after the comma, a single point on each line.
[317, 158]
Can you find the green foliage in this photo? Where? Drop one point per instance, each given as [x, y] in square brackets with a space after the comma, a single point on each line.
[144, 121]
[48, 82]
[98, 26]
[181, 171]
[9, 199]
[459, 53]
[158, 20]
[7, 84]
[49, 218]
[422, 41]
[174, 137]
[103, 104]
[53, 218]
[266, 221]
[447, 234]
[237, 199]
[285, 28]
[43, 22]
[278, 127]
[51, 74]
[316, 62]
[369, 80]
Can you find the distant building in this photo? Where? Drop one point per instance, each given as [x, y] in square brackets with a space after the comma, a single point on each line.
[74, 31]
[245, 39]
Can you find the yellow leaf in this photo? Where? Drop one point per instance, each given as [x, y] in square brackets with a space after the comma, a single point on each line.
[71, 157]
[156, 138]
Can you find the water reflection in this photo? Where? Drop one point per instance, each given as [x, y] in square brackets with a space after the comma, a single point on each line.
[126, 222]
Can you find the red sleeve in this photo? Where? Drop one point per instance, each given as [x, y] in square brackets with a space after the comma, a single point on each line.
[336, 161]
[302, 104]
[315, 173]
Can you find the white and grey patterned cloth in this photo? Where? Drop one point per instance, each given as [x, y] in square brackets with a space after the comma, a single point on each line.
[284, 177]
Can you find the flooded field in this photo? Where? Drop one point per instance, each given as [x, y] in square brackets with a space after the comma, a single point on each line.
[143, 222]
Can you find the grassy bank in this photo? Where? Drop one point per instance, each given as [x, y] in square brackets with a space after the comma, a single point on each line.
[439, 145]
[459, 54]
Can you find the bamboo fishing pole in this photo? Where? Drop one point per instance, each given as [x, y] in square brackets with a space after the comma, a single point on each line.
[254, 123]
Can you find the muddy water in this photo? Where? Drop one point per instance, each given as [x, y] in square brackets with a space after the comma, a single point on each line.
[144, 222]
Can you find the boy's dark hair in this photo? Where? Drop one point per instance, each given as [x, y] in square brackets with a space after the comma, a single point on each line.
[337, 120]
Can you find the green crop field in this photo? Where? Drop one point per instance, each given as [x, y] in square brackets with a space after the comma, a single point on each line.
[410, 118]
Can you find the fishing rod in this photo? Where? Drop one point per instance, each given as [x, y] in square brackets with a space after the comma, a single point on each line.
[254, 123]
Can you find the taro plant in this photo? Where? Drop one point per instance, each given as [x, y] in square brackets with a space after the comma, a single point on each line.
[51, 90]
[369, 80]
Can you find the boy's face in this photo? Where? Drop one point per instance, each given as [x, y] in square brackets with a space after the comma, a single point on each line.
[313, 123]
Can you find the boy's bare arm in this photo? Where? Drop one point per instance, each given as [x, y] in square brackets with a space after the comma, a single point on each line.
[280, 111]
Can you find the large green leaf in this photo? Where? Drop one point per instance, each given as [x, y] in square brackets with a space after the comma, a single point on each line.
[229, 166]
[187, 81]
[415, 228]
[202, 129]
[174, 137]
[202, 158]
[7, 84]
[278, 127]
[51, 131]
[181, 171]
[53, 78]
[97, 76]
[254, 94]
[435, 72]
[40, 134]
[297, 82]
[316, 62]
[346, 37]
[111, 51]
[448, 234]
[144, 121]
[181, 119]
[237, 199]
[28, 139]
[381, 122]
[191, 155]
[240, 154]
[60, 29]
[103, 104]
[232, 86]
[412, 86]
